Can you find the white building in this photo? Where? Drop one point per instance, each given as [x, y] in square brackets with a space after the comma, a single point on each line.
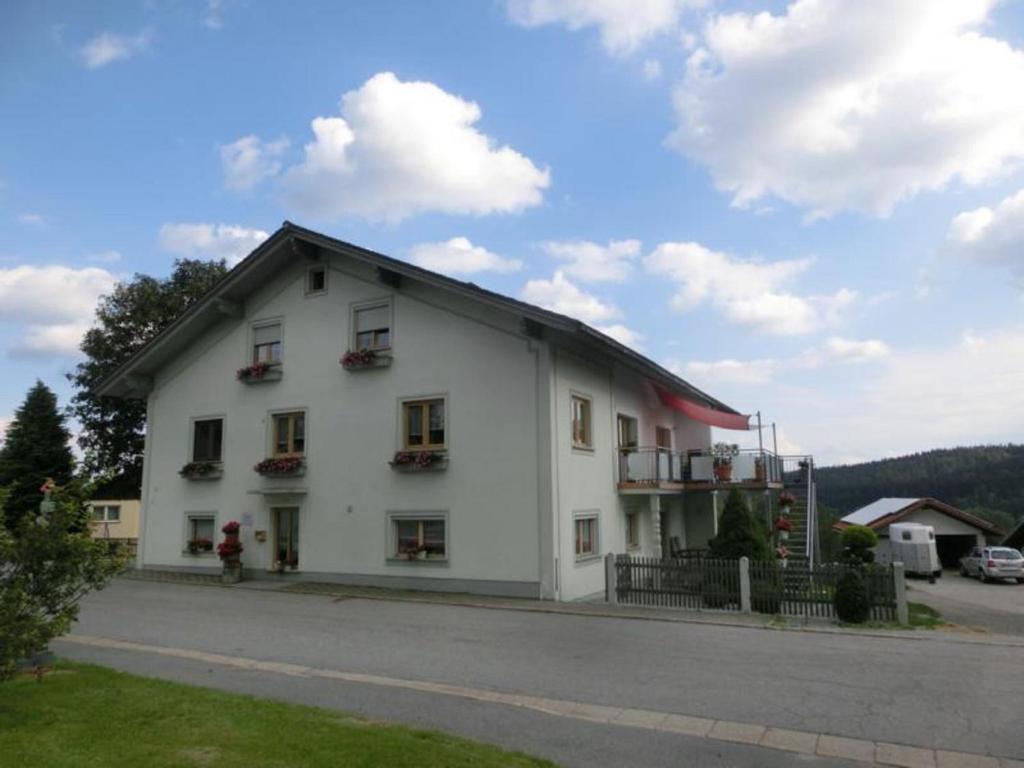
[549, 444]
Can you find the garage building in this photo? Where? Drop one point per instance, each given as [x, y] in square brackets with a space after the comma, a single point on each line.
[956, 531]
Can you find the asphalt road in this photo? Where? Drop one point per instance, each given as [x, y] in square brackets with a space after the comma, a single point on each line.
[996, 607]
[936, 693]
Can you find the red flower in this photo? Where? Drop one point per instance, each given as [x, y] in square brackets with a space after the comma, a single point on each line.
[229, 549]
[286, 465]
[786, 499]
[358, 358]
[783, 524]
[254, 371]
[231, 527]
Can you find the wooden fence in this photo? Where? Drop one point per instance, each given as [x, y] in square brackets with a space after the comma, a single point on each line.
[697, 582]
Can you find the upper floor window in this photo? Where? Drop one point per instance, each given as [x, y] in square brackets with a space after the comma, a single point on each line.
[582, 434]
[663, 437]
[423, 424]
[316, 280]
[207, 439]
[628, 432]
[266, 343]
[289, 434]
[106, 513]
[372, 325]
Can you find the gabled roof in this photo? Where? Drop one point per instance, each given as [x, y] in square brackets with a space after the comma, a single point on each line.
[291, 240]
[879, 514]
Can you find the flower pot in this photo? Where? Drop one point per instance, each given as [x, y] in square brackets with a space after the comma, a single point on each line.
[759, 474]
[783, 535]
[421, 555]
[232, 573]
[723, 473]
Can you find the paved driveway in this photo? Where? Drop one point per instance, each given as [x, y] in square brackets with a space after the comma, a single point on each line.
[857, 686]
[996, 607]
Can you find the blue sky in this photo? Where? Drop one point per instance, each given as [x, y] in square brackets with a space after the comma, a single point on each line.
[814, 210]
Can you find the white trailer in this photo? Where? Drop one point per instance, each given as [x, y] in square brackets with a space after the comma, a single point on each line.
[912, 544]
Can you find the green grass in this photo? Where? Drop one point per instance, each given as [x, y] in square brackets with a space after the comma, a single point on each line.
[84, 715]
[923, 616]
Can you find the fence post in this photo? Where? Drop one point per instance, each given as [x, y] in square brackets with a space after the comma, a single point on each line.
[611, 592]
[902, 611]
[745, 584]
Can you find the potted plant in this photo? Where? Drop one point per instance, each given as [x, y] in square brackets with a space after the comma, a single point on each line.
[230, 553]
[201, 470]
[786, 500]
[199, 545]
[805, 467]
[287, 466]
[723, 454]
[783, 525]
[782, 552]
[252, 372]
[419, 461]
[759, 473]
[357, 359]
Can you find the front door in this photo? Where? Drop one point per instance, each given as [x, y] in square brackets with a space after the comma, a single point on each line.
[286, 537]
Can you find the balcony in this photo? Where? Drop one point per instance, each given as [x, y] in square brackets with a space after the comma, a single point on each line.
[651, 468]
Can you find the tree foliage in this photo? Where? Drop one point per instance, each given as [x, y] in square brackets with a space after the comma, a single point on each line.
[859, 542]
[49, 562]
[113, 430]
[740, 533]
[985, 480]
[35, 448]
[852, 602]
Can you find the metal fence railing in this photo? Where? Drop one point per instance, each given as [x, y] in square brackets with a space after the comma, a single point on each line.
[693, 582]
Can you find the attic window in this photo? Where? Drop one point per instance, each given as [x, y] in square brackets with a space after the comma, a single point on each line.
[316, 280]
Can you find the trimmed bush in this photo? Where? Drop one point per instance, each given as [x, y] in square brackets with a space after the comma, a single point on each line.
[766, 592]
[852, 602]
[858, 543]
[740, 533]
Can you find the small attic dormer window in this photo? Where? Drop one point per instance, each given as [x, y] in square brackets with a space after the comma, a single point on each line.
[316, 280]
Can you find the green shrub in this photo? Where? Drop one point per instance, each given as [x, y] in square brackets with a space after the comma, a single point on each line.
[740, 533]
[858, 543]
[852, 602]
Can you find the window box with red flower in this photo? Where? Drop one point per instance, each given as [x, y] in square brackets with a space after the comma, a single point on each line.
[259, 372]
[282, 466]
[420, 461]
[363, 359]
[202, 470]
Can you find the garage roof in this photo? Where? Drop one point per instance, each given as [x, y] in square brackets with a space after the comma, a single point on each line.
[878, 514]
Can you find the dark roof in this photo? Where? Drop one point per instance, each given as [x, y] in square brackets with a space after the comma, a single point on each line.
[259, 265]
[913, 505]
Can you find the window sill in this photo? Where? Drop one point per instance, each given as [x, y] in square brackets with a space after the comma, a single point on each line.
[274, 374]
[211, 553]
[381, 361]
[438, 466]
[584, 449]
[435, 561]
[216, 474]
[585, 559]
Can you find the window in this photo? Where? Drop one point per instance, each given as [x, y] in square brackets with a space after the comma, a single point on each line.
[372, 324]
[199, 534]
[106, 513]
[586, 536]
[316, 280]
[286, 537]
[289, 434]
[581, 431]
[663, 437]
[266, 343]
[628, 432]
[905, 535]
[207, 439]
[423, 425]
[632, 530]
[419, 537]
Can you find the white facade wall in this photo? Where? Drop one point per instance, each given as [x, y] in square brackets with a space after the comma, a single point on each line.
[490, 491]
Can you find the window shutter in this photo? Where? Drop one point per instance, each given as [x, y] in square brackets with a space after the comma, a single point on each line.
[372, 318]
[266, 334]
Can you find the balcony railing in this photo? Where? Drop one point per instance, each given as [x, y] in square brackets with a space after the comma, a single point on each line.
[649, 466]
[750, 465]
[652, 466]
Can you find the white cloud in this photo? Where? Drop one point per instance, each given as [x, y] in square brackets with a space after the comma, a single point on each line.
[249, 160]
[559, 295]
[652, 69]
[622, 334]
[592, 262]
[992, 235]
[32, 219]
[460, 256]
[750, 293]
[624, 26]
[213, 16]
[836, 105]
[402, 148]
[218, 241]
[707, 374]
[107, 48]
[855, 351]
[53, 305]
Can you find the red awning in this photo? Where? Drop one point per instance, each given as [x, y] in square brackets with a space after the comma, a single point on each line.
[702, 413]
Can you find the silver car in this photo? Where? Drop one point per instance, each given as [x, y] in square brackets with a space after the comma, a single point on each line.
[990, 563]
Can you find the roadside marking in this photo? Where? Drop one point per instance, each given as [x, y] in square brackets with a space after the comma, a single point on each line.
[823, 745]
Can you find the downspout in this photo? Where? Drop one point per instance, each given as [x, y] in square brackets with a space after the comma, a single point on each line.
[146, 466]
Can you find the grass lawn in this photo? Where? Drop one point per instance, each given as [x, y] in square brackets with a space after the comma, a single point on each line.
[85, 715]
[923, 616]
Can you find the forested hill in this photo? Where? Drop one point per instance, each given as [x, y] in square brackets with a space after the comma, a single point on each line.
[986, 479]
